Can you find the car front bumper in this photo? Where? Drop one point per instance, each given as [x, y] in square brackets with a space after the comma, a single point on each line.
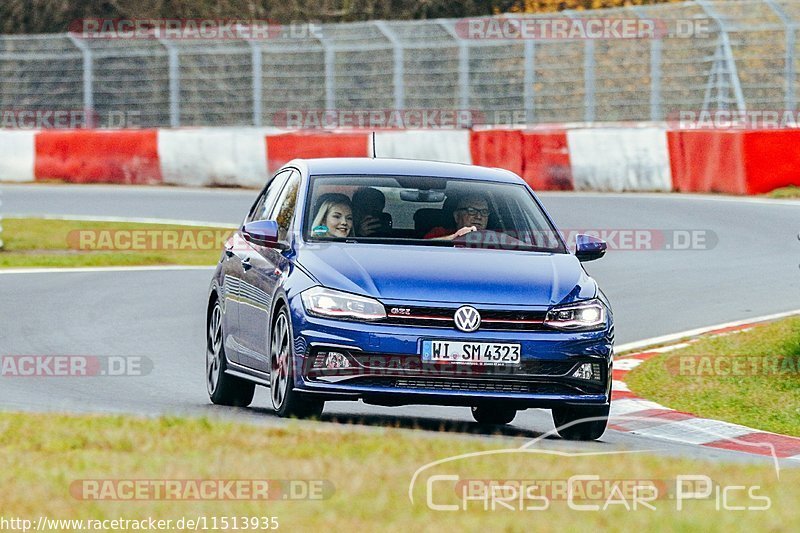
[386, 367]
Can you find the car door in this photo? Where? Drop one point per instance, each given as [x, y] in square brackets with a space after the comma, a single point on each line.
[263, 269]
[229, 295]
[233, 269]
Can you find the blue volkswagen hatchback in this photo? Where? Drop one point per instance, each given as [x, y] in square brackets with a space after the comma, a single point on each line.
[409, 282]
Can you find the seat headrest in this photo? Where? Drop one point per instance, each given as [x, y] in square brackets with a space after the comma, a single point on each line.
[427, 219]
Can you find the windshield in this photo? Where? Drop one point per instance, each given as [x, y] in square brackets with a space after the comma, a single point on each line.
[427, 211]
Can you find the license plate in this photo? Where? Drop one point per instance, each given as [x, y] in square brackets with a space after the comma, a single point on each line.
[472, 353]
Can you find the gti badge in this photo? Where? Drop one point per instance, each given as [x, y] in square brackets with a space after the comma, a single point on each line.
[467, 318]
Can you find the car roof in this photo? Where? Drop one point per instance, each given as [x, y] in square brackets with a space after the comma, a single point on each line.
[402, 167]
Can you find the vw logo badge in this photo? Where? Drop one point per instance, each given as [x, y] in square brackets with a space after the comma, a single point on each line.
[467, 318]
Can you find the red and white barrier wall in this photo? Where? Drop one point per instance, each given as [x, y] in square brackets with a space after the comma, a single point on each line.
[213, 157]
[17, 155]
[624, 158]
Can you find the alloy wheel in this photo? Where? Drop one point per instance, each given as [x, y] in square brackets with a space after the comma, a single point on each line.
[214, 349]
[280, 361]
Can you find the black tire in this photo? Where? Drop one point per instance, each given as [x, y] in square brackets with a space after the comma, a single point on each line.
[287, 402]
[567, 421]
[222, 388]
[493, 414]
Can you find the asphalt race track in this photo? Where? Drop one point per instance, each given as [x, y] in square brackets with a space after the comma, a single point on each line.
[750, 269]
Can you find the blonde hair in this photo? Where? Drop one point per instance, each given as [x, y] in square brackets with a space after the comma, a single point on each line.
[324, 205]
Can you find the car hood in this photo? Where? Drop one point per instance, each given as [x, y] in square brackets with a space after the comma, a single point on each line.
[448, 275]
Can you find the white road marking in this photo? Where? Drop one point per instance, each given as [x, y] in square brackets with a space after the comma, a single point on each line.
[663, 339]
[627, 363]
[102, 269]
[619, 386]
[695, 431]
[630, 406]
[132, 220]
[672, 347]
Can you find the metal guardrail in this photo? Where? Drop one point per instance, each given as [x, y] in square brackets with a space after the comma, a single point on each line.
[745, 59]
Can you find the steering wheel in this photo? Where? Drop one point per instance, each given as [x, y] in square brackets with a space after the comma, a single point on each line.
[489, 239]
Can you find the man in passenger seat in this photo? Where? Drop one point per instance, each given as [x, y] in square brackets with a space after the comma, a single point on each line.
[471, 214]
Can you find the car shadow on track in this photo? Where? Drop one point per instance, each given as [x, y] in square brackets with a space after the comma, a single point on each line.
[420, 423]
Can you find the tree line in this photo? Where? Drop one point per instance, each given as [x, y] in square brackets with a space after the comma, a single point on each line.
[56, 16]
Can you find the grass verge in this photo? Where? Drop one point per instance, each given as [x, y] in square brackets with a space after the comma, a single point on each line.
[792, 191]
[750, 378]
[368, 475]
[34, 242]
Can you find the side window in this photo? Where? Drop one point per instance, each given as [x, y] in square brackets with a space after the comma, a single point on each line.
[263, 206]
[284, 209]
[534, 229]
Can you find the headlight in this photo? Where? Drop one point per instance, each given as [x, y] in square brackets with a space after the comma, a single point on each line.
[329, 303]
[581, 316]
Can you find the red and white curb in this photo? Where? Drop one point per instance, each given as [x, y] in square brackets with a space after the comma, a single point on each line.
[638, 416]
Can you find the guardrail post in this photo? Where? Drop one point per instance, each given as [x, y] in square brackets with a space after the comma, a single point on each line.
[88, 79]
[330, 81]
[656, 45]
[789, 95]
[257, 61]
[174, 83]
[733, 72]
[655, 79]
[463, 76]
[398, 54]
[789, 70]
[528, 91]
[725, 55]
[589, 103]
[463, 65]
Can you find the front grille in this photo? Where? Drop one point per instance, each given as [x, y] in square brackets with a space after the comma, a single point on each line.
[442, 317]
[462, 386]
[456, 385]
[414, 363]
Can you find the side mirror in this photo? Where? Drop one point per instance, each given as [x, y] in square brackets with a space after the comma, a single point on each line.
[589, 248]
[262, 233]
